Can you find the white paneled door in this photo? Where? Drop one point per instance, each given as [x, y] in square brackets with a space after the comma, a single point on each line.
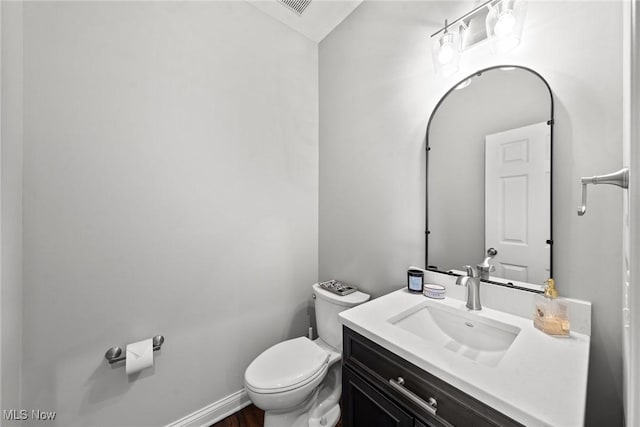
[517, 194]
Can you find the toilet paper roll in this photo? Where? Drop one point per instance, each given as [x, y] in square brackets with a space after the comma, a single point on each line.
[139, 356]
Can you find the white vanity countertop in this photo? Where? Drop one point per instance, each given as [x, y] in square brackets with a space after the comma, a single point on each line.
[540, 381]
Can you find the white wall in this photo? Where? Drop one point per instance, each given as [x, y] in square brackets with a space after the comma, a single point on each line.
[170, 187]
[377, 90]
[11, 297]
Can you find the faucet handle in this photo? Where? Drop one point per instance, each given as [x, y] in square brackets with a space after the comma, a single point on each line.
[487, 268]
[471, 272]
[484, 270]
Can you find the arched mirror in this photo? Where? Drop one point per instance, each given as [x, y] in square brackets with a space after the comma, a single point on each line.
[489, 146]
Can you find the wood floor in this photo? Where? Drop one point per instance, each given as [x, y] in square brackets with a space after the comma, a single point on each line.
[248, 417]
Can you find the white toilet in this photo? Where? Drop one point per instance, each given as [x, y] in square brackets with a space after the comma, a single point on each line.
[298, 382]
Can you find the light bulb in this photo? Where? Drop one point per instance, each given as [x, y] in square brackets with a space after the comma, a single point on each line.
[506, 23]
[446, 53]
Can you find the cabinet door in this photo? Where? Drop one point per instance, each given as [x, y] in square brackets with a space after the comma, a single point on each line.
[364, 406]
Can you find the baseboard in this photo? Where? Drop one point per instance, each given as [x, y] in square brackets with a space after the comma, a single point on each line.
[214, 412]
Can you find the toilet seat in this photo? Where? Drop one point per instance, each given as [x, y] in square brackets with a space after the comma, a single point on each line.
[286, 366]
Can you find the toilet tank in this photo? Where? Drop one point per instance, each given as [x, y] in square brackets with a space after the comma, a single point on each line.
[328, 305]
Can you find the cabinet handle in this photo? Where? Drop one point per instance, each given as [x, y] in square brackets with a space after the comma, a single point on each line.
[431, 406]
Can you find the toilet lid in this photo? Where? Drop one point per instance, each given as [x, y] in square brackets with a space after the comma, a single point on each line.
[286, 365]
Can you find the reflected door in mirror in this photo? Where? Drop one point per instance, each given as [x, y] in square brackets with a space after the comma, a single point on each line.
[517, 194]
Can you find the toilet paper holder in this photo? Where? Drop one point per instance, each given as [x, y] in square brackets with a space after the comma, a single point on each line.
[114, 354]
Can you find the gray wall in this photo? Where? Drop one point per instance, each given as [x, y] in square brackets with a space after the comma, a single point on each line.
[11, 137]
[170, 187]
[377, 90]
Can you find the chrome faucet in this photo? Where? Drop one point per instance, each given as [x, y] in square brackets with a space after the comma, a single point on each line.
[472, 282]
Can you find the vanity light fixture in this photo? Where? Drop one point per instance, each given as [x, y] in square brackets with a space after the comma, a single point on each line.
[504, 24]
[500, 21]
[446, 51]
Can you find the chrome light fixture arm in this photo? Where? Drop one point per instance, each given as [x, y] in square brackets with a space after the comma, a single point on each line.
[464, 17]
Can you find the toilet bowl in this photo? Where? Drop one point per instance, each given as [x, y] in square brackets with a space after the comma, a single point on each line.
[298, 382]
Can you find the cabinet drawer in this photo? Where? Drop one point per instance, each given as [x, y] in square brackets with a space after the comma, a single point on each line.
[452, 406]
[365, 406]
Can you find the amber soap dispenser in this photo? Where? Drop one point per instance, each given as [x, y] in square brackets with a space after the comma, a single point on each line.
[550, 314]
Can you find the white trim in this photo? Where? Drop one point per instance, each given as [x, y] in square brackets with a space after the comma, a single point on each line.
[214, 412]
[1, 348]
[631, 263]
[633, 409]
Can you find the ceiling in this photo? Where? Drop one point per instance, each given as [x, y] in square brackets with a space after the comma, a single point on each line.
[318, 19]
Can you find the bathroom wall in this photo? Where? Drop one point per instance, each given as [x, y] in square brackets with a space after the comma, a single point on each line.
[11, 225]
[170, 187]
[377, 90]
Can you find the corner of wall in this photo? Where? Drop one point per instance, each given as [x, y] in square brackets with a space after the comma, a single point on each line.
[11, 132]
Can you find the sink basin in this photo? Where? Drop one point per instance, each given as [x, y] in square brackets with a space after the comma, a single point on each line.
[460, 331]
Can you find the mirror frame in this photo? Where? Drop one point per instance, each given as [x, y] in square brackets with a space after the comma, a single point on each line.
[550, 122]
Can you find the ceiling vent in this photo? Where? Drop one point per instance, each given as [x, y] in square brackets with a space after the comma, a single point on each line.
[297, 6]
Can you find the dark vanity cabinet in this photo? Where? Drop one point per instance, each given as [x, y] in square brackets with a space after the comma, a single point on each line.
[380, 389]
